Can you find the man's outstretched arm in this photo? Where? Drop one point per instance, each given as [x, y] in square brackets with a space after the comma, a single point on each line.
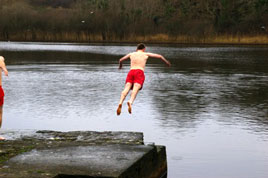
[3, 65]
[160, 57]
[122, 59]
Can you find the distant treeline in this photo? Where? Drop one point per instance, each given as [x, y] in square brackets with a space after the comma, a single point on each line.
[183, 21]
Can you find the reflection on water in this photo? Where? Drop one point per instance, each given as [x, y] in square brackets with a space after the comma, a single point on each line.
[209, 108]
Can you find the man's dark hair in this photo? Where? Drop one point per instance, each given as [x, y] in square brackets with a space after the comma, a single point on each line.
[140, 46]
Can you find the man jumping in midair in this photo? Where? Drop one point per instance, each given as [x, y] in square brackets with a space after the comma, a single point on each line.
[135, 77]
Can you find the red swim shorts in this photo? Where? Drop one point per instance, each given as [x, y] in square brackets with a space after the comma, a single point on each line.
[2, 94]
[135, 76]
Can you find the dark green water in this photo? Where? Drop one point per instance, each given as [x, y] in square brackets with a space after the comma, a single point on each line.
[210, 108]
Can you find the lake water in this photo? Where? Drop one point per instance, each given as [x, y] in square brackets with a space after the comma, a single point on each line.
[210, 109]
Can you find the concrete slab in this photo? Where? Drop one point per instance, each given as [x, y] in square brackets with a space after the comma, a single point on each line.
[105, 161]
[49, 154]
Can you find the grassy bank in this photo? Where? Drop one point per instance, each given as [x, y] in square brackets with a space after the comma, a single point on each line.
[157, 38]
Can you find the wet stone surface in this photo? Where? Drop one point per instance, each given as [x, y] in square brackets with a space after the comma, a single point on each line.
[104, 161]
[51, 153]
[25, 141]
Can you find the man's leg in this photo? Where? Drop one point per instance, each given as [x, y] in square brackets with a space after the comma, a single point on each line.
[1, 114]
[123, 96]
[134, 93]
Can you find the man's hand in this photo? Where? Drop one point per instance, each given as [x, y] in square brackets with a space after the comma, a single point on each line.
[6, 72]
[120, 65]
[122, 59]
[168, 63]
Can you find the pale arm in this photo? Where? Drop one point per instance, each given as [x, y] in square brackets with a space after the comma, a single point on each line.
[3, 65]
[122, 59]
[160, 57]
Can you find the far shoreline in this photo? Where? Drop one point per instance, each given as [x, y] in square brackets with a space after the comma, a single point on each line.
[134, 43]
[88, 38]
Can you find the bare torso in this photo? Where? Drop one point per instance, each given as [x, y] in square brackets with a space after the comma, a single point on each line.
[138, 60]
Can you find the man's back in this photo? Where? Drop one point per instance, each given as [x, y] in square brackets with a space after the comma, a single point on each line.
[138, 60]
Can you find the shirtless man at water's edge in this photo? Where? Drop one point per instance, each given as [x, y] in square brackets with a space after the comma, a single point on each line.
[135, 77]
[4, 69]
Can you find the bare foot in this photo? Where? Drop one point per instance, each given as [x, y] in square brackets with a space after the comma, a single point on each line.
[119, 109]
[2, 138]
[129, 107]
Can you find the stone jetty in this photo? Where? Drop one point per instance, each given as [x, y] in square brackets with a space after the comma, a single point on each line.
[81, 154]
